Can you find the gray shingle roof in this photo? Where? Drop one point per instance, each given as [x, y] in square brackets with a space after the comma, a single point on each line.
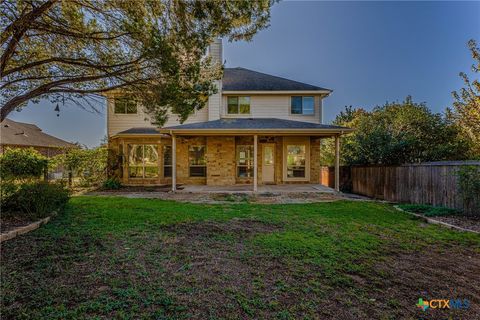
[241, 79]
[26, 134]
[257, 123]
[146, 130]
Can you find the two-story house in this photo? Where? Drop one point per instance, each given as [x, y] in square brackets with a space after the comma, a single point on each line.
[258, 129]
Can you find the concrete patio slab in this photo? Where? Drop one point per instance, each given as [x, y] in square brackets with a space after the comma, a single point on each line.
[242, 188]
[267, 194]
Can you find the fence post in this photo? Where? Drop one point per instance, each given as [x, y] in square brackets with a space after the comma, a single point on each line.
[45, 174]
[337, 163]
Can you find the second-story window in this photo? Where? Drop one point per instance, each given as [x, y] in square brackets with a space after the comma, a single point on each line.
[125, 105]
[302, 105]
[238, 105]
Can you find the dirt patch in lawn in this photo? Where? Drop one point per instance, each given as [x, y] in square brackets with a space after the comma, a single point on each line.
[211, 268]
[214, 269]
[226, 198]
[433, 273]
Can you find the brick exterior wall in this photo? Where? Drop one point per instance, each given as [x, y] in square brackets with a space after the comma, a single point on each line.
[221, 159]
[315, 168]
[183, 170]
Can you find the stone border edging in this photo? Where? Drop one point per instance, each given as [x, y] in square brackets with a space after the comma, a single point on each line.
[433, 221]
[25, 229]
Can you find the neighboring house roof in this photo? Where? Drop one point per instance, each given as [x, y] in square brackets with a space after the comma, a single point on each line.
[265, 125]
[241, 79]
[26, 134]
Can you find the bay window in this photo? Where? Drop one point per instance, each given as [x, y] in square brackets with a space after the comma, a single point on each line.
[142, 161]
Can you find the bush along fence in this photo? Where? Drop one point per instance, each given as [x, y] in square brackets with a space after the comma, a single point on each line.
[451, 184]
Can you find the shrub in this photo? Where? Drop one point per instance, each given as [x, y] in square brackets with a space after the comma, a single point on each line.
[90, 165]
[36, 200]
[469, 187]
[429, 211]
[112, 184]
[22, 164]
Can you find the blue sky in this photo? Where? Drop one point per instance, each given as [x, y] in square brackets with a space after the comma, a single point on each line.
[367, 52]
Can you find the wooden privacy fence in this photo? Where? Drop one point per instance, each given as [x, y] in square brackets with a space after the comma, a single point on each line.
[434, 183]
[327, 178]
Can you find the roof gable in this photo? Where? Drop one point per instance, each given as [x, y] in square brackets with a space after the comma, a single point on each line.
[241, 79]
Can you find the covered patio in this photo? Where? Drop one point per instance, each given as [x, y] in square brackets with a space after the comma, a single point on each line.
[286, 140]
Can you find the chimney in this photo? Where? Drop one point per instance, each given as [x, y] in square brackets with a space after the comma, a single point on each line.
[215, 51]
[215, 101]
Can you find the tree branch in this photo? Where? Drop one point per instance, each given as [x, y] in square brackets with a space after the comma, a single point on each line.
[64, 32]
[69, 61]
[47, 88]
[17, 29]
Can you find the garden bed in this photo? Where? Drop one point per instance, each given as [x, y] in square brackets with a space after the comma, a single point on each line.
[465, 222]
[445, 215]
[13, 222]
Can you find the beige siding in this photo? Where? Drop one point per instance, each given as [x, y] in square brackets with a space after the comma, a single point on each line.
[120, 122]
[275, 106]
[214, 103]
[261, 106]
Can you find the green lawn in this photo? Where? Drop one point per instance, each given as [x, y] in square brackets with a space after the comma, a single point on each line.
[113, 257]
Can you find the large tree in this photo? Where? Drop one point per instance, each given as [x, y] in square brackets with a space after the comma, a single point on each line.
[155, 50]
[396, 133]
[466, 107]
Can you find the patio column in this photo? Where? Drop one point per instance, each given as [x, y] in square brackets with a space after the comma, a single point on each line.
[255, 163]
[337, 163]
[174, 163]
